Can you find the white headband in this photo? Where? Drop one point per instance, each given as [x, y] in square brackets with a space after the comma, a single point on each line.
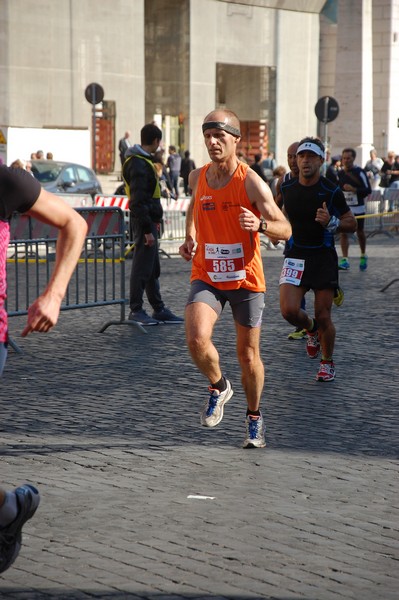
[311, 147]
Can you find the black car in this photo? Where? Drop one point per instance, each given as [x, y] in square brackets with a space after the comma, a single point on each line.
[65, 178]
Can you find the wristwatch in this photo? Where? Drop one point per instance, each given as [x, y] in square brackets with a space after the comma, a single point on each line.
[262, 226]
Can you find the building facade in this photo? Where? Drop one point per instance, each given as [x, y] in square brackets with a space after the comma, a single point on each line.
[173, 61]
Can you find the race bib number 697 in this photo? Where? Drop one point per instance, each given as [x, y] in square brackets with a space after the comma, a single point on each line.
[292, 271]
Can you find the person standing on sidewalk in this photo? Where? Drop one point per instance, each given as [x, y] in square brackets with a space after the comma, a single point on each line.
[174, 165]
[20, 192]
[257, 168]
[229, 207]
[390, 170]
[144, 193]
[316, 209]
[187, 165]
[373, 168]
[123, 146]
[355, 184]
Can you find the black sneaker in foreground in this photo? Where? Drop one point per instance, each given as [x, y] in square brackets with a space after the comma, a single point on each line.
[166, 316]
[28, 499]
[141, 317]
[255, 433]
[212, 413]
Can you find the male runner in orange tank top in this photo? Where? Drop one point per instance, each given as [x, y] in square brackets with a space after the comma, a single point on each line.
[229, 207]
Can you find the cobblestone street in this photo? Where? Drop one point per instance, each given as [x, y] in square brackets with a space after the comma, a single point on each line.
[141, 502]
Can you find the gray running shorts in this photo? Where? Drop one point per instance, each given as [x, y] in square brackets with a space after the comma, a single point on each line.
[246, 306]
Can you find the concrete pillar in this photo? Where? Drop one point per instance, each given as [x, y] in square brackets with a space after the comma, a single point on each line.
[354, 79]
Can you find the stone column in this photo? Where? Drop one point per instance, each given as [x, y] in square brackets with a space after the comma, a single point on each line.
[354, 79]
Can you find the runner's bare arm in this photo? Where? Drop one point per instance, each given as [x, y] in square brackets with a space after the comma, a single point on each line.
[348, 223]
[345, 224]
[48, 208]
[187, 248]
[261, 197]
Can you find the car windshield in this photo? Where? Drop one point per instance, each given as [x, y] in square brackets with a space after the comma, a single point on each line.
[46, 171]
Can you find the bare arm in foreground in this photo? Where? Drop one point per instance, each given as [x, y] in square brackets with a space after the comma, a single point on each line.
[48, 208]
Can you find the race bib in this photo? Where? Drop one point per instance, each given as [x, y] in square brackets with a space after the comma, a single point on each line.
[351, 198]
[225, 262]
[292, 271]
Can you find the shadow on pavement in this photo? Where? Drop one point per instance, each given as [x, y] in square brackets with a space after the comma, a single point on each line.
[47, 594]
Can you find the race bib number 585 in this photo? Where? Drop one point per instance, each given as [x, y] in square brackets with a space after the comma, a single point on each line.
[225, 262]
[292, 271]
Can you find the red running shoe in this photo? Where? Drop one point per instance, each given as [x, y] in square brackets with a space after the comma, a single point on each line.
[326, 371]
[313, 344]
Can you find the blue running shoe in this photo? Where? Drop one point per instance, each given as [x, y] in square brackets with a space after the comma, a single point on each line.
[255, 433]
[363, 262]
[212, 413]
[28, 499]
[344, 264]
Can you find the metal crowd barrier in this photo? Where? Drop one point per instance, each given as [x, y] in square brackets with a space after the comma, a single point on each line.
[382, 216]
[99, 277]
[77, 200]
[378, 219]
[173, 226]
[382, 213]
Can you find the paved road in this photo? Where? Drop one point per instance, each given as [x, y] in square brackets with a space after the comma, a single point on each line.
[107, 426]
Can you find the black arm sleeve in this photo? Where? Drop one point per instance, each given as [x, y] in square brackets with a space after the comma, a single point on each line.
[18, 191]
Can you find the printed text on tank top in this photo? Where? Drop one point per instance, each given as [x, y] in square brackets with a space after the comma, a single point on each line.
[226, 256]
[223, 262]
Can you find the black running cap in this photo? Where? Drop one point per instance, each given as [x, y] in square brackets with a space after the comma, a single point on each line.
[221, 125]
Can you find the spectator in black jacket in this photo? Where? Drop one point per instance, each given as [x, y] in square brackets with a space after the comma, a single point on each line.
[144, 194]
[333, 169]
[174, 163]
[187, 165]
[123, 146]
[257, 167]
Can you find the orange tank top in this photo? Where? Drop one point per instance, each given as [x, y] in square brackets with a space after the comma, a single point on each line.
[226, 256]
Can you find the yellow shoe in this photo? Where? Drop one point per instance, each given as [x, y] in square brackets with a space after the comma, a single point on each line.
[338, 296]
[298, 334]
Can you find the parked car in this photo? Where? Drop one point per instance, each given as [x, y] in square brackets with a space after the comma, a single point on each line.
[66, 178]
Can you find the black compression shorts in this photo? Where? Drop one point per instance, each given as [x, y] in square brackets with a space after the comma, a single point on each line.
[321, 268]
